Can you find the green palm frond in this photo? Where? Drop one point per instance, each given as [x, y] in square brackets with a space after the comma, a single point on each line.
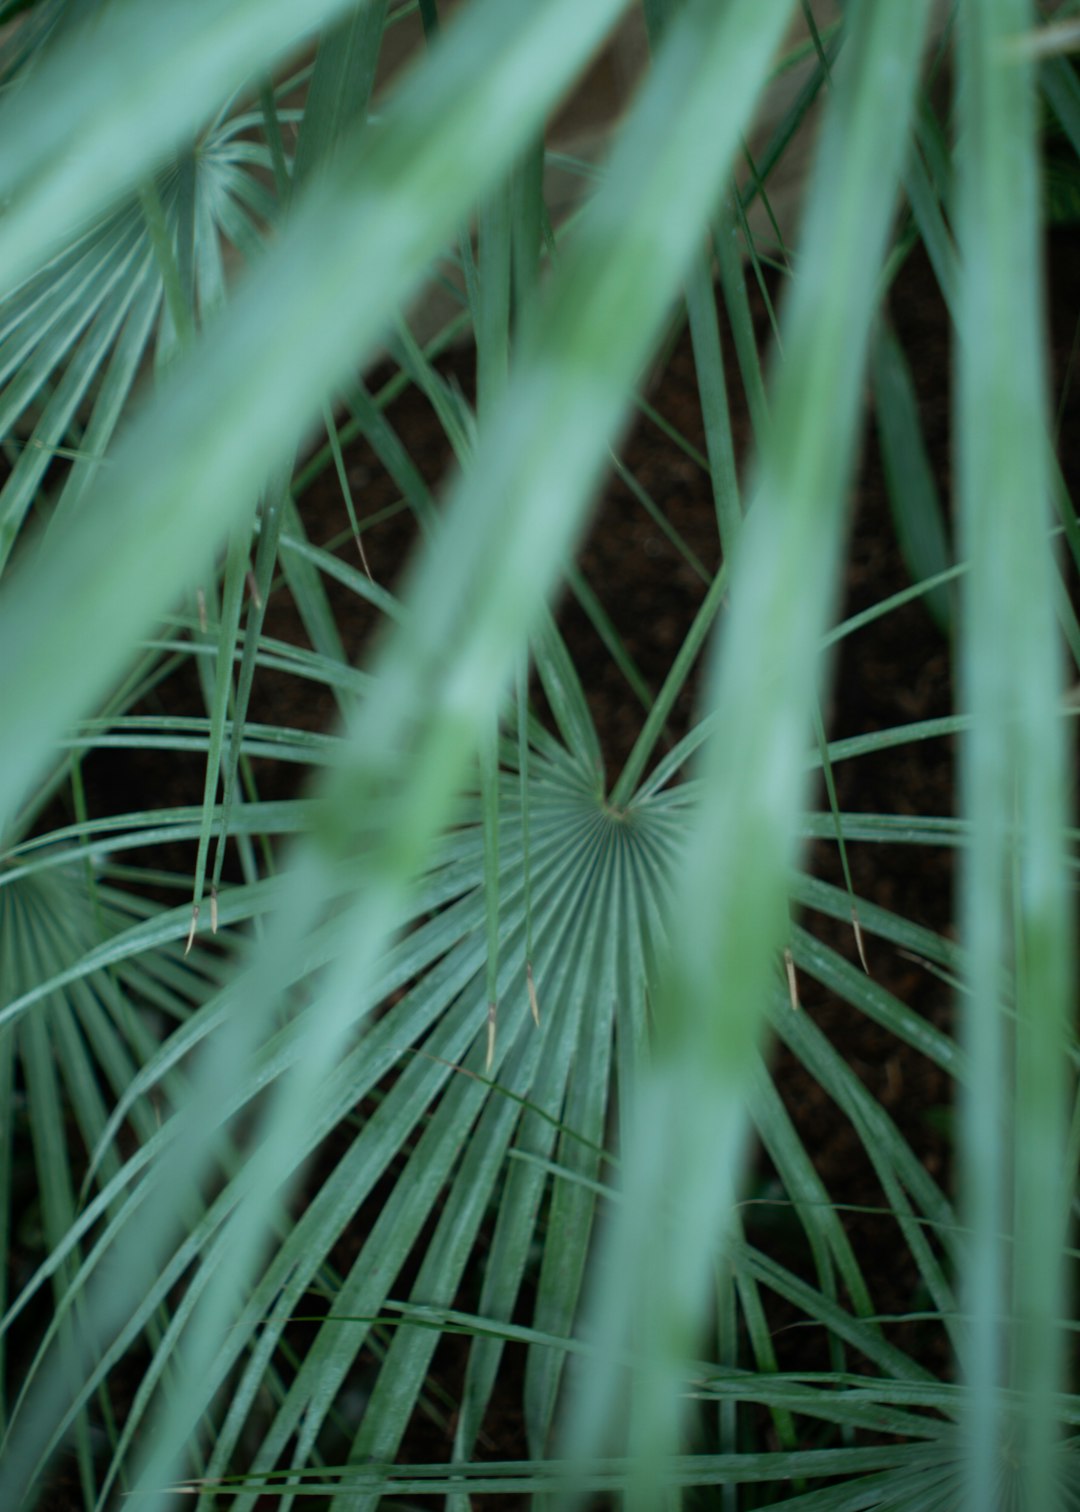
[519, 1151]
[75, 337]
[78, 1052]
[461, 1088]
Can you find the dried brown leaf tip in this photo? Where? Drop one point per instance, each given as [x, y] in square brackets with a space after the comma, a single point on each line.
[1044, 41]
[253, 590]
[534, 1002]
[213, 910]
[492, 1015]
[194, 926]
[363, 555]
[859, 945]
[792, 983]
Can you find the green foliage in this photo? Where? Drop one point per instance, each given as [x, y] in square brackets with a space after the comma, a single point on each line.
[468, 1024]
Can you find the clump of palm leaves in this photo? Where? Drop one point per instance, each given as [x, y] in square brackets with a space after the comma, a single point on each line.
[518, 1009]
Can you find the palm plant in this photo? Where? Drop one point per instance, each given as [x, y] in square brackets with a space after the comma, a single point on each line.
[505, 1009]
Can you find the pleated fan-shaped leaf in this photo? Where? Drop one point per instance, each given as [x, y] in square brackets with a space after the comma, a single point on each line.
[67, 1063]
[452, 1184]
[313, 1195]
[76, 337]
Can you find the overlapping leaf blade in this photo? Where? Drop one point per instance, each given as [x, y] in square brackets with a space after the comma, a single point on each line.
[382, 1049]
